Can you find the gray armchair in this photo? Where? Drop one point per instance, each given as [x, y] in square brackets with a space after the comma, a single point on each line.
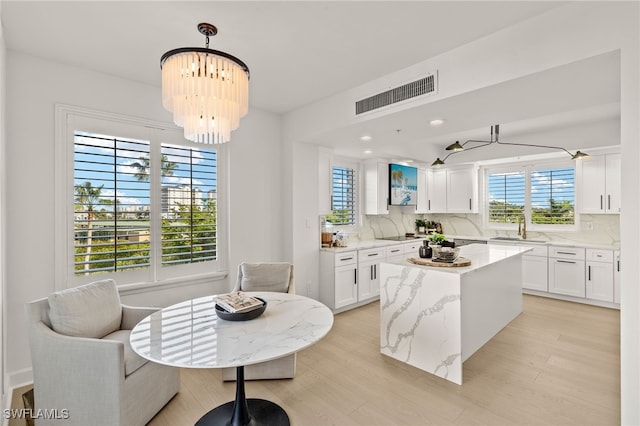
[276, 277]
[82, 360]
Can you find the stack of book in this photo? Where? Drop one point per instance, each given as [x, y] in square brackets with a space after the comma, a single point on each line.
[238, 302]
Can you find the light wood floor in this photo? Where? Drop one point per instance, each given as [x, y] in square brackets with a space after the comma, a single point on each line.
[558, 363]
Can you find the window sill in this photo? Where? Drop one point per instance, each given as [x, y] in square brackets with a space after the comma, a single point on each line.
[137, 288]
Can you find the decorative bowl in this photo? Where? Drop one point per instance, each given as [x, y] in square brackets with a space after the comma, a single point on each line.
[445, 254]
[241, 316]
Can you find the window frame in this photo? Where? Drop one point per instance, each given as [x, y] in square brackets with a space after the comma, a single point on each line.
[528, 168]
[357, 217]
[68, 119]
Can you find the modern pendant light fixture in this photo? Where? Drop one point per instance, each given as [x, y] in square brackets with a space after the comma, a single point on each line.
[495, 131]
[207, 90]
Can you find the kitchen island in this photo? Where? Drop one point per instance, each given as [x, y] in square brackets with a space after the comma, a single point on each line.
[435, 318]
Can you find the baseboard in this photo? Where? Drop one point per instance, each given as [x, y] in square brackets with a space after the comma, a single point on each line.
[20, 378]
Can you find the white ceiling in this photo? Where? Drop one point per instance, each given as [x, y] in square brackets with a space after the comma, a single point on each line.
[300, 52]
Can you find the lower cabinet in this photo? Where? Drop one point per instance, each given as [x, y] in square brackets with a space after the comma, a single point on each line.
[616, 276]
[535, 269]
[338, 278]
[600, 281]
[567, 271]
[369, 272]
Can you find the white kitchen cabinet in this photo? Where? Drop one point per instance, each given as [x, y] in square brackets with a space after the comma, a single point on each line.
[338, 278]
[535, 269]
[369, 272]
[423, 197]
[393, 253]
[376, 187]
[325, 181]
[599, 281]
[567, 271]
[437, 191]
[616, 276]
[462, 190]
[600, 184]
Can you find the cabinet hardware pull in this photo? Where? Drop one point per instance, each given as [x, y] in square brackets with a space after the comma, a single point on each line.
[375, 272]
[346, 258]
[355, 276]
[565, 261]
[371, 272]
[589, 272]
[372, 254]
[601, 206]
[469, 203]
[608, 201]
[618, 266]
[566, 252]
[395, 251]
[429, 205]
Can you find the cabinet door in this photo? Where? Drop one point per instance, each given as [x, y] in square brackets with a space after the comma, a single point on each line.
[376, 187]
[461, 190]
[613, 181]
[616, 277]
[534, 273]
[567, 277]
[423, 198]
[368, 281]
[437, 191]
[346, 283]
[599, 284]
[593, 185]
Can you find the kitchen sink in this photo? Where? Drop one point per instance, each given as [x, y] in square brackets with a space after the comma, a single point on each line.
[520, 240]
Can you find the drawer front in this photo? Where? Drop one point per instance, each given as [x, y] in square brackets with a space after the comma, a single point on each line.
[371, 255]
[599, 255]
[346, 258]
[538, 250]
[412, 248]
[573, 253]
[394, 251]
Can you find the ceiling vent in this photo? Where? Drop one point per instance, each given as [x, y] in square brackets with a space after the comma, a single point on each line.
[424, 86]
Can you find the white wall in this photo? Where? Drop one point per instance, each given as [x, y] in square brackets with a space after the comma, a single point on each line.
[3, 384]
[35, 86]
[566, 34]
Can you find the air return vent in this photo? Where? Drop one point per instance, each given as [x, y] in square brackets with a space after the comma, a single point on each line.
[423, 86]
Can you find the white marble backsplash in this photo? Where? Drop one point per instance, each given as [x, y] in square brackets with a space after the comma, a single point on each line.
[594, 229]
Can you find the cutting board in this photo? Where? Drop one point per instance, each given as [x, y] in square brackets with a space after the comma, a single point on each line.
[460, 261]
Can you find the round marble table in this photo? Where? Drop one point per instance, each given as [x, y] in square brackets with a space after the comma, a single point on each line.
[190, 334]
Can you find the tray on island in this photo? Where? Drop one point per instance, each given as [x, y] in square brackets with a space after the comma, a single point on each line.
[460, 261]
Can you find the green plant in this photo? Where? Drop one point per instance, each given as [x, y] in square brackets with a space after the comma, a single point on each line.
[437, 238]
[421, 223]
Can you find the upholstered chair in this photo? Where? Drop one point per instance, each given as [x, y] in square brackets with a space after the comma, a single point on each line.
[278, 277]
[83, 363]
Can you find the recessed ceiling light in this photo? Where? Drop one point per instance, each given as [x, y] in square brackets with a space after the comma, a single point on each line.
[365, 138]
[368, 151]
[437, 122]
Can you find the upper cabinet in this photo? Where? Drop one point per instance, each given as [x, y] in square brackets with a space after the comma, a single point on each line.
[462, 190]
[436, 191]
[600, 184]
[376, 187]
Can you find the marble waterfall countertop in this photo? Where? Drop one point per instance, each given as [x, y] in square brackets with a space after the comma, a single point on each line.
[436, 318]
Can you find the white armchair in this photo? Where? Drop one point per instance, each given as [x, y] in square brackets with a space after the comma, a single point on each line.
[83, 363]
[276, 277]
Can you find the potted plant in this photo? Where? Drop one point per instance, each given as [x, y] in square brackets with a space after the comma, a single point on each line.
[421, 226]
[436, 240]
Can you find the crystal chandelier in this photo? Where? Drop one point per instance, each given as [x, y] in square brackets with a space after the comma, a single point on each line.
[207, 90]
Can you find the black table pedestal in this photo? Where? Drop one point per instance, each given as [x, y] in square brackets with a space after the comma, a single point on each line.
[243, 411]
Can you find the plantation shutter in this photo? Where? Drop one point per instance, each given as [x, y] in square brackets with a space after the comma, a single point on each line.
[111, 204]
[552, 196]
[506, 197]
[343, 200]
[189, 204]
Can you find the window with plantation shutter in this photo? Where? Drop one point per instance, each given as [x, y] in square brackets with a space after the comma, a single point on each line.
[189, 196]
[506, 197]
[541, 196]
[553, 196]
[116, 220]
[343, 200]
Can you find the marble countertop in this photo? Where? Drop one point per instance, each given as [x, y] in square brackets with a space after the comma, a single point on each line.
[367, 244]
[480, 255]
